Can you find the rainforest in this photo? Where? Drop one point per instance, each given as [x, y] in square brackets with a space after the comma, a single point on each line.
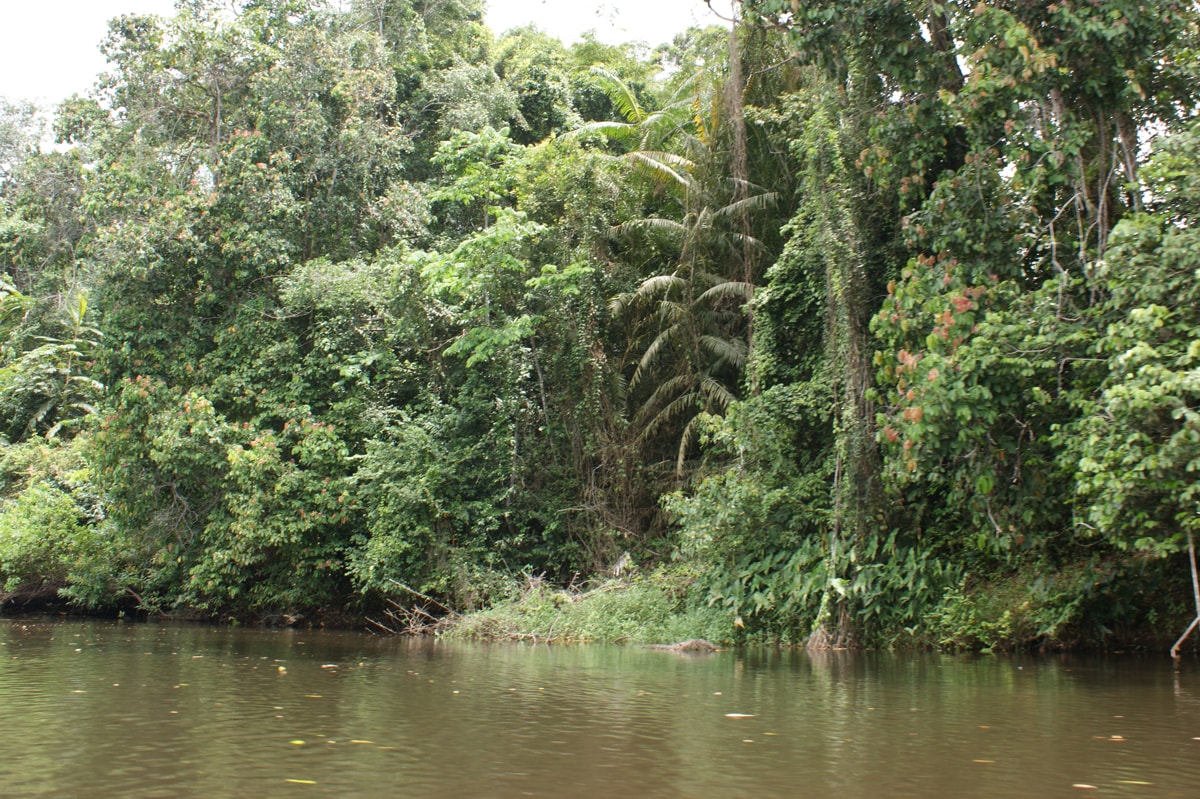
[869, 323]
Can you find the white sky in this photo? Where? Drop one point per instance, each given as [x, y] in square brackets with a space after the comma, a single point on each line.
[51, 50]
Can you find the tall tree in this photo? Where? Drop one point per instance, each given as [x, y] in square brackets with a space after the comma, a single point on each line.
[1005, 151]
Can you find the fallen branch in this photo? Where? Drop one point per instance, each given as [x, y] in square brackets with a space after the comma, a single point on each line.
[425, 597]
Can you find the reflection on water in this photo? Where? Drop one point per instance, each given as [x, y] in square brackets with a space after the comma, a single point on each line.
[96, 709]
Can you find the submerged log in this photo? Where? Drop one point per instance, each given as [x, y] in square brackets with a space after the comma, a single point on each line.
[690, 645]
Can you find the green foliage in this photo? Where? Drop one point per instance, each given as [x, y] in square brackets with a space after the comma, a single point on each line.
[324, 301]
[51, 537]
[433, 505]
[477, 161]
[279, 533]
[1087, 601]
[1137, 441]
[970, 414]
[470, 97]
[625, 63]
[44, 381]
[689, 328]
[757, 527]
[40, 536]
[20, 130]
[536, 67]
[652, 609]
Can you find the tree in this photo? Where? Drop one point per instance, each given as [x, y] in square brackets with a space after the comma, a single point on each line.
[1007, 151]
[1136, 442]
[536, 67]
[691, 329]
[21, 128]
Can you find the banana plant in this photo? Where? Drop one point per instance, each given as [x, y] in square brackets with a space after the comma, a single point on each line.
[44, 385]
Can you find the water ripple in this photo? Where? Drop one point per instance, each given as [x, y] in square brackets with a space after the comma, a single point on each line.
[141, 711]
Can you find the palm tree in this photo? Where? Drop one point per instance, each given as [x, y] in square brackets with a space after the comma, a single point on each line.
[690, 324]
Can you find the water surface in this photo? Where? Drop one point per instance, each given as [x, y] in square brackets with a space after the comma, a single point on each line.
[107, 709]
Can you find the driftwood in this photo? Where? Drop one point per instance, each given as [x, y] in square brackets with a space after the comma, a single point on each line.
[690, 645]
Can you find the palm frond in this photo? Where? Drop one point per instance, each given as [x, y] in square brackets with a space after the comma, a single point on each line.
[41, 413]
[620, 387]
[86, 382]
[661, 284]
[673, 314]
[691, 432]
[748, 205]
[661, 124]
[661, 344]
[664, 168]
[647, 294]
[622, 304]
[747, 240]
[670, 401]
[652, 224]
[748, 186]
[618, 93]
[731, 351]
[715, 392]
[728, 290]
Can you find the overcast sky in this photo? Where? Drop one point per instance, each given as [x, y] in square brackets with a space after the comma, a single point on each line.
[50, 48]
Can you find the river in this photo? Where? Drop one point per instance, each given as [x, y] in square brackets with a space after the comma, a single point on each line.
[101, 709]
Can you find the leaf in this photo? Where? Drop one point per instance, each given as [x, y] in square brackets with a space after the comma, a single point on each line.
[621, 96]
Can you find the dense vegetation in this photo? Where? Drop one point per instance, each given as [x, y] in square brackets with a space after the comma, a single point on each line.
[868, 323]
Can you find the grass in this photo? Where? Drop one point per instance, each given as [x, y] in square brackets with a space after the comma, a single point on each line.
[654, 608]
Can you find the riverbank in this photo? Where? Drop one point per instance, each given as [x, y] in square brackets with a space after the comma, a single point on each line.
[1014, 614]
[659, 608]
[664, 605]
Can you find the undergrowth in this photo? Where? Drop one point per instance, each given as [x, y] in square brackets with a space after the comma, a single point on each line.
[654, 608]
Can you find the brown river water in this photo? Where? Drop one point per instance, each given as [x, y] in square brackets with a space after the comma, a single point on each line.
[131, 710]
